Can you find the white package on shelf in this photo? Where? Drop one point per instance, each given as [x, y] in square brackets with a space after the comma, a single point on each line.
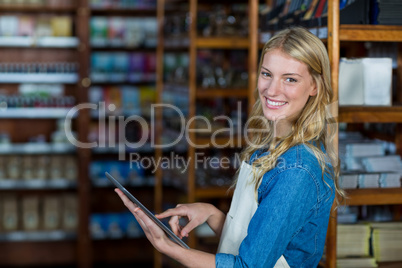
[349, 181]
[365, 81]
[365, 149]
[351, 82]
[383, 163]
[353, 163]
[390, 180]
[369, 181]
[377, 81]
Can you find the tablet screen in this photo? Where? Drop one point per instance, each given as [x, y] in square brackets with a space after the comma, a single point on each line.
[169, 232]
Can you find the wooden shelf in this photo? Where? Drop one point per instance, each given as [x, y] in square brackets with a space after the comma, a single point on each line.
[123, 48]
[37, 184]
[36, 9]
[38, 112]
[367, 114]
[350, 32]
[213, 192]
[378, 196]
[222, 42]
[46, 78]
[39, 42]
[393, 264]
[375, 33]
[131, 12]
[205, 93]
[39, 254]
[114, 251]
[56, 235]
[37, 148]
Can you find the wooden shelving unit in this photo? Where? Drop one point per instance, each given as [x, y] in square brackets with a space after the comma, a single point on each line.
[124, 251]
[365, 33]
[333, 35]
[370, 197]
[222, 43]
[221, 93]
[192, 191]
[356, 114]
[42, 248]
[227, 43]
[50, 248]
[361, 114]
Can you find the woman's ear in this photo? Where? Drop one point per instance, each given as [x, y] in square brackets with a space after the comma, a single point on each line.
[313, 90]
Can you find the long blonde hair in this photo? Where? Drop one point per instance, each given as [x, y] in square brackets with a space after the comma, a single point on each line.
[315, 126]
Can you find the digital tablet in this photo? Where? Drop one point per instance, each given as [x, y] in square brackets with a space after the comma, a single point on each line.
[169, 232]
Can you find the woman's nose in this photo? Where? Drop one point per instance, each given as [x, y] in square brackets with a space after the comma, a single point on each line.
[274, 87]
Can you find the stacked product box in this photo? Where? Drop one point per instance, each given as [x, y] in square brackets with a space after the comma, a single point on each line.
[120, 67]
[36, 213]
[114, 226]
[368, 163]
[123, 32]
[34, 26]
[128, 173]
[130, 4]
[38, 167]
[126, 100]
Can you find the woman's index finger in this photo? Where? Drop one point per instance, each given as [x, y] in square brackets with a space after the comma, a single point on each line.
[172, 212]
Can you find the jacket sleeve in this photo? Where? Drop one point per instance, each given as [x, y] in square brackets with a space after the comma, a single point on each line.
[285, 200]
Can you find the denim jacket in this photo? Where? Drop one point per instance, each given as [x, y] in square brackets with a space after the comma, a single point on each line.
[292, 217]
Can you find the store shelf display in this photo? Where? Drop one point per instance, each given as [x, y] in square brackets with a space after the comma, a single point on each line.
[114, 226]
[128, 173]
[38, 218]
[126, 100]
[37, 31]
[123, 4]
[46, 72]
[122, 67]
[120, 32]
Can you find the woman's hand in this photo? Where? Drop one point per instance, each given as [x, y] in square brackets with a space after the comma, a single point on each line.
[196, 214]
[158, 238]
[152, 231]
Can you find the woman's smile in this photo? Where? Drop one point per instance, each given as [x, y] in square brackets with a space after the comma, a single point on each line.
[274, 104]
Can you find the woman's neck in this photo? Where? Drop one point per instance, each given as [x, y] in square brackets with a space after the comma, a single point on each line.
[282, 128]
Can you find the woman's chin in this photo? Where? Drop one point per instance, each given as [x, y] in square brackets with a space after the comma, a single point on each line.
[274, 117]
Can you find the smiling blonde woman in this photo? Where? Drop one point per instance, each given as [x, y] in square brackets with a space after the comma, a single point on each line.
[288, 178]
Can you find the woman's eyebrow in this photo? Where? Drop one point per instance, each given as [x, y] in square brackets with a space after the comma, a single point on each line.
[291, 74]
[262, 67]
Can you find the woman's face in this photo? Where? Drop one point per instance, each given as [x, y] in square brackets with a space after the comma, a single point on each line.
[284, 86]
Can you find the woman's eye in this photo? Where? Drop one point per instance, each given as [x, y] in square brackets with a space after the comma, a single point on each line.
[291, 80]
[265, 74]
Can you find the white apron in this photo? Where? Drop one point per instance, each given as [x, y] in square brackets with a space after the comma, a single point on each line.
[241, 211]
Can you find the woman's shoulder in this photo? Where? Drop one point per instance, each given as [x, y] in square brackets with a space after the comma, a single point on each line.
[298, 162]
[298, 157]
[301, 156]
